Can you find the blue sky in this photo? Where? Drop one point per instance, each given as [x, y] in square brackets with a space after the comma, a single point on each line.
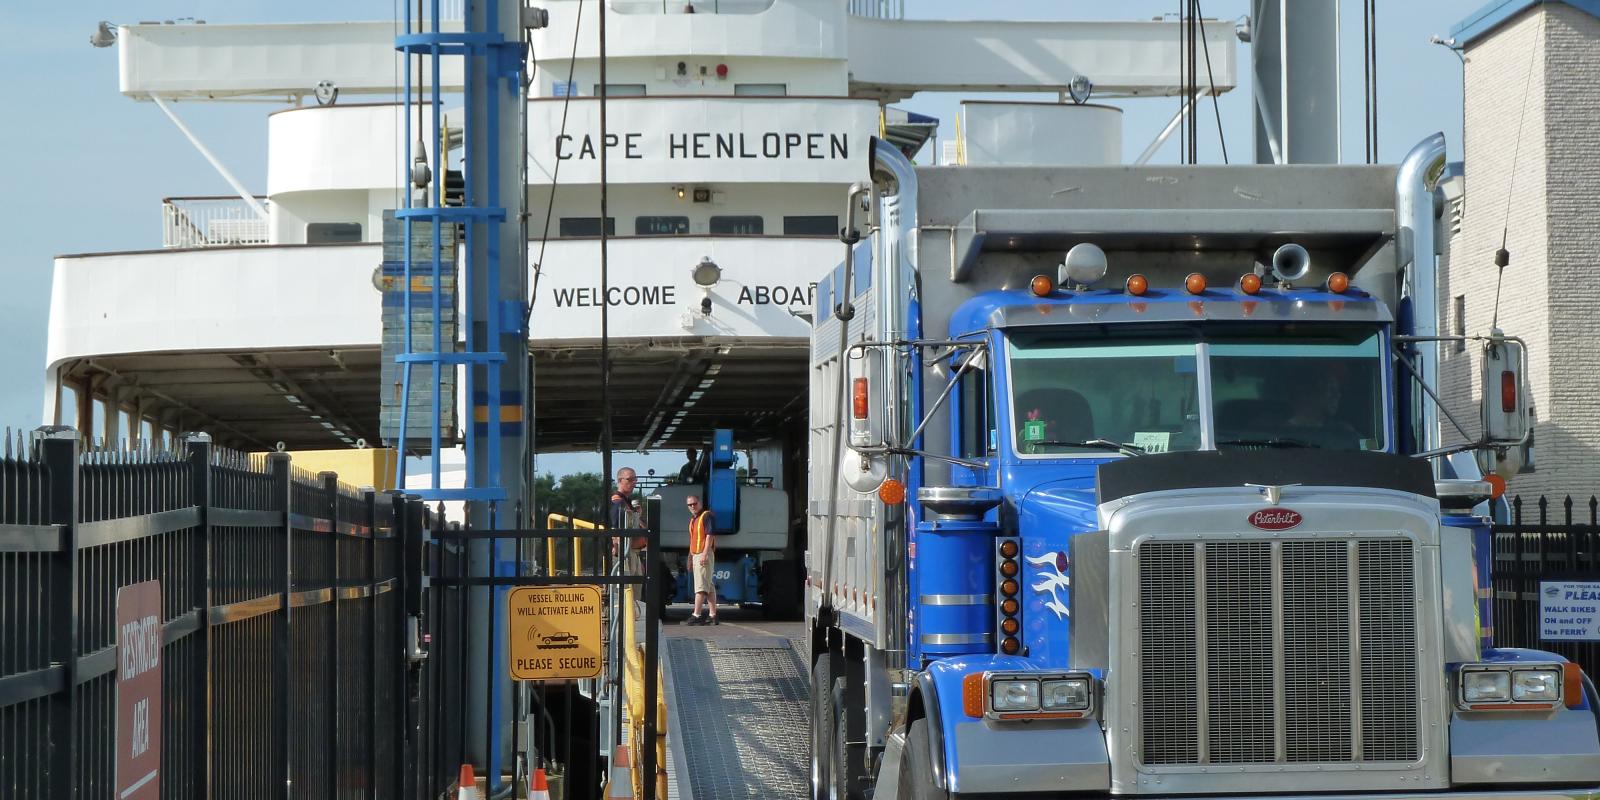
[87, 168]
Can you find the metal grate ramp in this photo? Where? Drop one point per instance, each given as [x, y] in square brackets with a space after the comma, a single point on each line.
[739, 712]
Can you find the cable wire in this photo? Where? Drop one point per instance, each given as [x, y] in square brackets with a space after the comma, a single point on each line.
[1503, 257]
[1212, 82]
[555, 174]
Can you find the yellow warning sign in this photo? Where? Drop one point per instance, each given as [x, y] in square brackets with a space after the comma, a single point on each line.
[554, 632]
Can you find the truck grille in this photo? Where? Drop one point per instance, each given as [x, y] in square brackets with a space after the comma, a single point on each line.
[1221, 624]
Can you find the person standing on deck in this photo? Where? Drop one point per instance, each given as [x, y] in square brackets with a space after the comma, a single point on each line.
[702, 557]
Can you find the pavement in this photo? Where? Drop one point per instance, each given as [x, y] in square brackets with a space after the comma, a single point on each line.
[740, 707]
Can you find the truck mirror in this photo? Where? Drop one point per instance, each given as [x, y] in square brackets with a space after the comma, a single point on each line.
[1504, 410]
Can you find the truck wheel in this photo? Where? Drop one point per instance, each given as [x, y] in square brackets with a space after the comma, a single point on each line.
[841, 747]
[821, 730]
[916, 766]
[780, 590]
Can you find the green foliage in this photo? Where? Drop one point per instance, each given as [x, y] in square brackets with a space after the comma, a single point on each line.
[580, 495]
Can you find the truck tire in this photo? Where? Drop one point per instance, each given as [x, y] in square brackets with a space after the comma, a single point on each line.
[821, 730]
[780, 590]
[916, 766]
[842, 779]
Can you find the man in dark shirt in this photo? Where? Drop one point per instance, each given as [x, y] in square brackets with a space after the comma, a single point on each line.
[623, 514]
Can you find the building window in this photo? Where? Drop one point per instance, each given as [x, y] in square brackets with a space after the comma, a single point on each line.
[621, 90]
[661, 226]
[333, 232]
[1459, 322]
[737, 226]
[818, 225]
[586, 226]
[761, 89]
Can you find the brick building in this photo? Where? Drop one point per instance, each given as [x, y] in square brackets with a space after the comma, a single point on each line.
[1533, 66]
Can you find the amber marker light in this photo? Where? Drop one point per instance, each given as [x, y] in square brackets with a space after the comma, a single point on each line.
[1009, 606]
[1338, 282]
[1008, 549]
[1497, 485]
[892, 492]
[1250, 283]
[1571, 676]
[1010, 646]
[1195, 283]
[1137, 285]
[1008, 588]
[1008, 568]
[972, 690]
[1041, 286]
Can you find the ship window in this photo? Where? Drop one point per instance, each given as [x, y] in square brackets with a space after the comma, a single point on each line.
[621, 90]
[761, 89]
[660, 226]
[737, 226]
[587, 226]
[333, 232]
[818, 225]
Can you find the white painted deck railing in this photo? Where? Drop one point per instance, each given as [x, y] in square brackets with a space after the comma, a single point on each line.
[879, 9]
[211, 222]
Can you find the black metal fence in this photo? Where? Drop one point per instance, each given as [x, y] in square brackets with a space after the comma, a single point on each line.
[1544, 541]
[286, 668]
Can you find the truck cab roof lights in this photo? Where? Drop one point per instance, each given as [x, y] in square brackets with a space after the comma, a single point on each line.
[1041, 286]
[1084, 265]
[1249, 283]
[1195, 283]
[1136, 285]
[1338, 283]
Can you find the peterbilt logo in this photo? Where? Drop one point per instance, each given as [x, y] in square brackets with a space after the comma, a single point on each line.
[1275, 519]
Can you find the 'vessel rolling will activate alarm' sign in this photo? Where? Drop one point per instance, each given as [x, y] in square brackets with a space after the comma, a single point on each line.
[139, 691]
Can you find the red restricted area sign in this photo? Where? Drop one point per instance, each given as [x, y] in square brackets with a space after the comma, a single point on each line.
[139, 691]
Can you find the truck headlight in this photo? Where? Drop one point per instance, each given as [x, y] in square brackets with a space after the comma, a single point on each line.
[1014, 695]
[1520, 686]
[1486, 686]
[1536, 686]
[1071, 694]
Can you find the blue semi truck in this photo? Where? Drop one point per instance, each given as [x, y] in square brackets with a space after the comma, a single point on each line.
[1132, 481]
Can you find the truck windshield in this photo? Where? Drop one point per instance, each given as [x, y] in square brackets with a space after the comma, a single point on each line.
[1320, 387]
[1068, 394]
[1289, 386]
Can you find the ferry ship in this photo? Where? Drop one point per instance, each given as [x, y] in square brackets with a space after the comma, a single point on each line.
[734, 130]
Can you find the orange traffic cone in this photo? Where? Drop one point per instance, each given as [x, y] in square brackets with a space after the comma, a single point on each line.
[467, 784]
[621, 784]
[540, 788]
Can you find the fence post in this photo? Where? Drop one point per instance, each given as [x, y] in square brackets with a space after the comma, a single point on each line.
[282, 487]
[408, 679]
[199, 451]
[369, 506]
[330, 510]
[59, 452]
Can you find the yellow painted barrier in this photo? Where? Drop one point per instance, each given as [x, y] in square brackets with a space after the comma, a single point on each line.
[577, 542]
[633, 686]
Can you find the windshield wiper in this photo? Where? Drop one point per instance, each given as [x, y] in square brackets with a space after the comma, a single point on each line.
[1095, 444]
[1278, 442]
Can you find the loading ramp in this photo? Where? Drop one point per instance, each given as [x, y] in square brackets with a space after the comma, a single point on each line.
[738, 695]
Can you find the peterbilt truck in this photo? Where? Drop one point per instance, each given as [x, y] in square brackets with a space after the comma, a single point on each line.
[1132, 481]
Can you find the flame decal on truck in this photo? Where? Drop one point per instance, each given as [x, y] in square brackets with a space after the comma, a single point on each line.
[1052, 576]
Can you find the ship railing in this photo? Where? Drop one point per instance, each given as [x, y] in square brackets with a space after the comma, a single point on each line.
[214, 221]
[878, 9]
[690, 6]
